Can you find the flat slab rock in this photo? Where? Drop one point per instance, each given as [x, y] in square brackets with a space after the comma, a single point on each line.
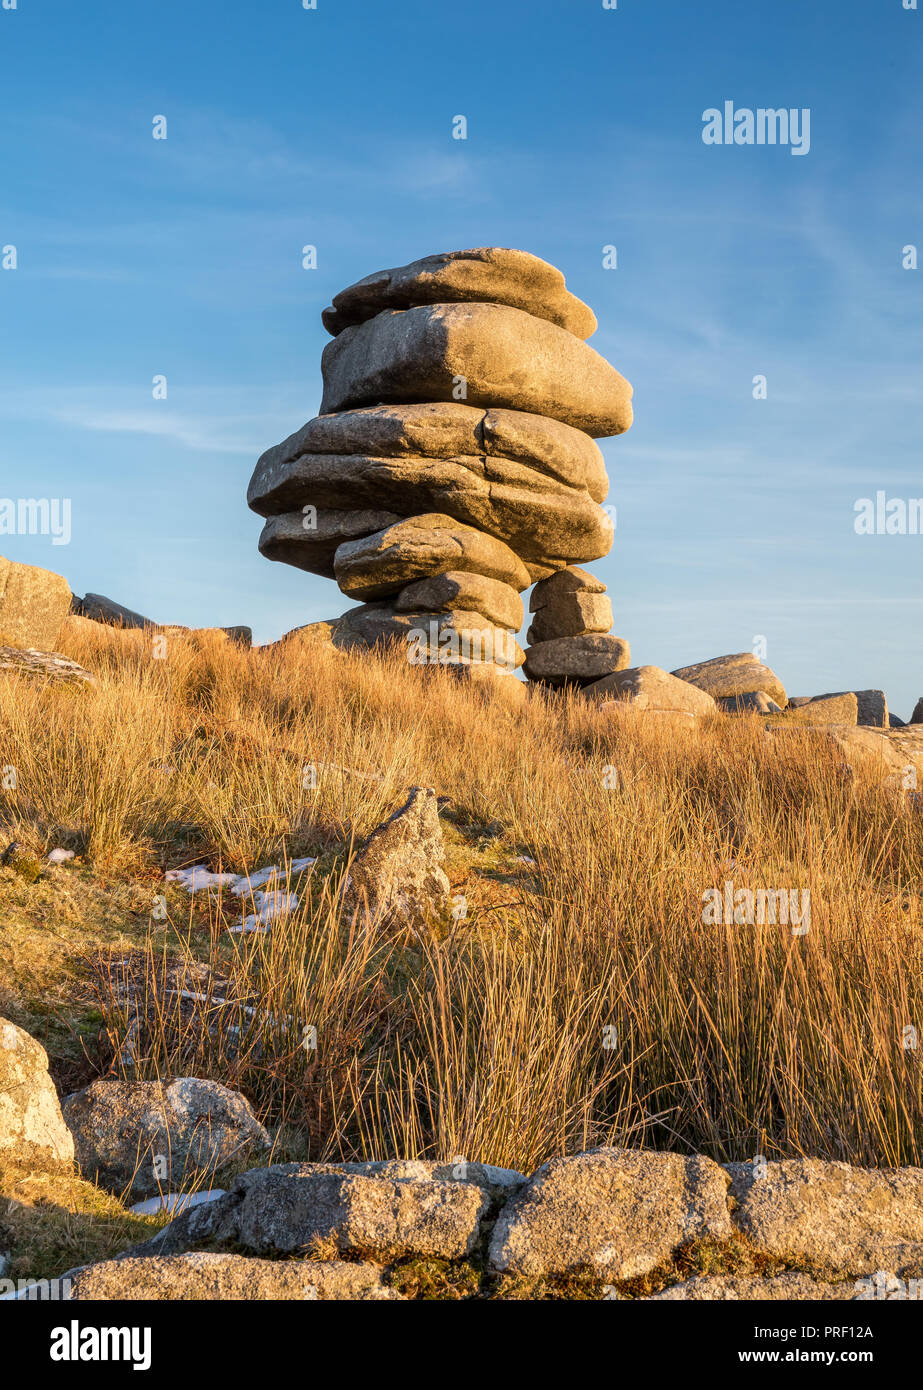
[203, 1276]
[43, 666]
[790, 1287]
[619, 1212]
[504, 358]
[576, 660]
[428, 431]
[486, 274]
[734, 675]
[832, 1217]
[289, 1207]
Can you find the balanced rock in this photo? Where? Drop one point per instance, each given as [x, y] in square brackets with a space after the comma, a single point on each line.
[32, 1129]
[419, 548]
[734, 675]
[487, 275]
[497, 355]
[33, 605]
[455, 439]
[144, 1136]
[571, 603]
[470, 592]
[310, 540]
[436, 430]
[576, 660]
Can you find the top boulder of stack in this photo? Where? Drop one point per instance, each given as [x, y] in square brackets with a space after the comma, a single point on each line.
[485, 275]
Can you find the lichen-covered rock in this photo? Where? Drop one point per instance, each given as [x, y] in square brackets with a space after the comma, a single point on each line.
[831, 1217]
[32, 1129]
[619, 1212]
[296, 1206]
[232, 1278]
[36, 665]
[145, 1137]
[398, 873]
[790, 1286]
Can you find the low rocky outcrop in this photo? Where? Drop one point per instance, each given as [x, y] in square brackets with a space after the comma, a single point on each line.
[49, 666]
[831, 1217]
[619, 1212]
[650, 688]
[234, 1278]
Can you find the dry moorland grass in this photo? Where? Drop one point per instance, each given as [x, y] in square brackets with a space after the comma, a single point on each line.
[578, 1000]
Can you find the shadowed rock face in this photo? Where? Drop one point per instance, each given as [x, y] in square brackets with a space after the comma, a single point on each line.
[487, 274]
[460, 403]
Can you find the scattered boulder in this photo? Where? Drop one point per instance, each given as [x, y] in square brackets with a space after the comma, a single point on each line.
[734, 675]
[873, 708]
[232, 1278]
[576, 660]
[791, 1287]
[917, 716]
[105, 610]
[33, 606]
[618, 1211]
[143, 1136]
[825, 709]
[831, 1217]
[486, 275]
[650, 688]
[399, 872]
[32, 1129]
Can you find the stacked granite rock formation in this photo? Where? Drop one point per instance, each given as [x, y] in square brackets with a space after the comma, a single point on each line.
[453, 465]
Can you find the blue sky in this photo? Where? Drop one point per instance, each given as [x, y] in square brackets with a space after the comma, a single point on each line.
[332, 127]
